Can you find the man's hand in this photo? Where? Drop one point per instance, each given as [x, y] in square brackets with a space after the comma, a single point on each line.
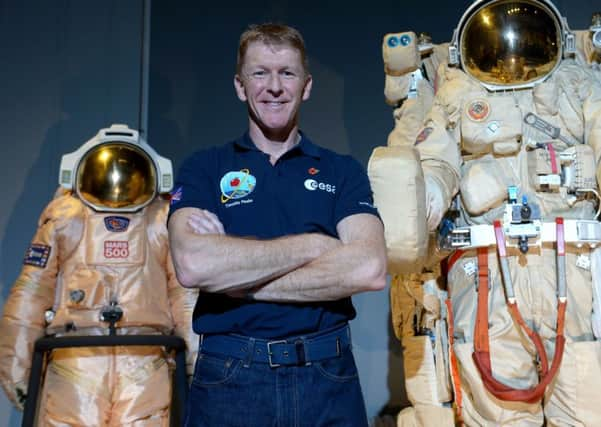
[204, 222]
[205, 257]
[356, 264]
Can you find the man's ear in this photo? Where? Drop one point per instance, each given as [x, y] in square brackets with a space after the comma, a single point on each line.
[307, 88]
[239, 86]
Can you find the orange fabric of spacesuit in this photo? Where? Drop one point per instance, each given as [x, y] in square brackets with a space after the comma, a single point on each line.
[79, 262]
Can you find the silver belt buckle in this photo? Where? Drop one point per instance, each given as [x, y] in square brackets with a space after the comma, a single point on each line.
[588, 231]
[457, 238]
[270, 353]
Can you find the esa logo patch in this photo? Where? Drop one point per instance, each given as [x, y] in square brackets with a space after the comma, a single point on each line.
[116, 224]
[236, 185]
[312, 185]
[37, 255]
[116, 249]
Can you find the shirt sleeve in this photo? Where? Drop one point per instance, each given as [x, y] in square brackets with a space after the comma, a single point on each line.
[355, 195]
[194, 184]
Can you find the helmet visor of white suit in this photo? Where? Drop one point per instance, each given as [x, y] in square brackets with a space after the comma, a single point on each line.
[511, 43]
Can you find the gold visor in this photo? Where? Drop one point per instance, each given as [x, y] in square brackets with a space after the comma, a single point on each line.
[116, 176]
[511, 43]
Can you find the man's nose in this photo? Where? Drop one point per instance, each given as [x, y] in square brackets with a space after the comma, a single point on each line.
[275, 83]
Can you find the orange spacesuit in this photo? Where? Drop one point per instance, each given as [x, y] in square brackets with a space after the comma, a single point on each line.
[100, 251]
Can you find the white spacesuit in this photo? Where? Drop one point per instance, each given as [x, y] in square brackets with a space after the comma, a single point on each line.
[512, 142]
[100, 253]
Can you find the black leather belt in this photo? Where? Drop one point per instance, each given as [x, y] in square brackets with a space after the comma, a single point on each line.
[295, 351]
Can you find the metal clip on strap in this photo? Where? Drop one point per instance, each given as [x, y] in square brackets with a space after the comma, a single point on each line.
[481, 353]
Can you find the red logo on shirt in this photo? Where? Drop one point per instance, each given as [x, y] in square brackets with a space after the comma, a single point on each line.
[235, 182]
[313, 171]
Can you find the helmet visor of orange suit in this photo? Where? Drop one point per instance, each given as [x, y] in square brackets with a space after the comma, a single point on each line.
[116, 176]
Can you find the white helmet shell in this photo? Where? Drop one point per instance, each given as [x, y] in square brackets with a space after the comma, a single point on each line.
[116, 171]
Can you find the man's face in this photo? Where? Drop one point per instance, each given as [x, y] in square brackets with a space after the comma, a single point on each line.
[273, 83]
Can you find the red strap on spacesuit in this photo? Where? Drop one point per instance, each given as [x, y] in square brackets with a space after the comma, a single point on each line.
[453, 363]
[553, 158]
[445, 266]
[481, 355]
[481, 327]
[451, 260]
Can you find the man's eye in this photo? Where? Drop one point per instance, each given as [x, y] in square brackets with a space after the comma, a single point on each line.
[259, 74]
[288, 74]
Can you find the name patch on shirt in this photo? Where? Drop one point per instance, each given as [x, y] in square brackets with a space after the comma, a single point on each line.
[236, 185]
[37, 255]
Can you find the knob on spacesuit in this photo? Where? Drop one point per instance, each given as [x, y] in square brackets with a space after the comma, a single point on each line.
[596, 30]
[116, 171]
[507, 44]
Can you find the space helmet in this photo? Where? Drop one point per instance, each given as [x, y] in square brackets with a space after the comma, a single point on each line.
[116, 171]
[509, 44]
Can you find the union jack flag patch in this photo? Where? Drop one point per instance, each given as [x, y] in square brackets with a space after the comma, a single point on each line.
[176, 195]
[37, 255]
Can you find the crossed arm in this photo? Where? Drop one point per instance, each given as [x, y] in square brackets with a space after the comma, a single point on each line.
[304, 267]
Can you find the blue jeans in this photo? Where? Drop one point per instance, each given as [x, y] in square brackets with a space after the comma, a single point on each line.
[233, 392]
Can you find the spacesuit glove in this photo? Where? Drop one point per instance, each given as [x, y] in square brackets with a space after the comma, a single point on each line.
[435, 205]
[18, 394]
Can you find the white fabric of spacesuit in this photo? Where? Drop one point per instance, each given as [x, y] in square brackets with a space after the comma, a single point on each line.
[589, 51]
[474, 143]
[81, 261]
[417, 302]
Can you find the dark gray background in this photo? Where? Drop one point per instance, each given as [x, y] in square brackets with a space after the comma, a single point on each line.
[70, 67]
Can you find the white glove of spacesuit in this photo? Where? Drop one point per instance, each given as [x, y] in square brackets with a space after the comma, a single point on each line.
[17, 394]
[435, 205]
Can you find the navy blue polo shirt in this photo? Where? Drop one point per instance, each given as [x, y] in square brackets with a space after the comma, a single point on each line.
[309, 190]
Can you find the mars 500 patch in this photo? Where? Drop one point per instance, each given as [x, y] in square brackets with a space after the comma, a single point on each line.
[116, 249]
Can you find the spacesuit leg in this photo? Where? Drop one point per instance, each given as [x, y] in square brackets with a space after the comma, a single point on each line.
[480, 408]
[142, 393]
[573, 398]
[416, 313]
[113, 386]
[77, 388]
